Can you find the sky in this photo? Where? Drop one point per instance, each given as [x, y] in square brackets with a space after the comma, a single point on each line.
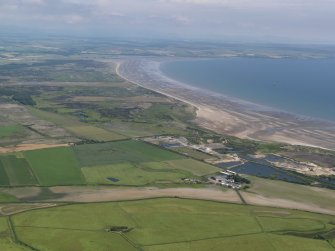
[291, 21]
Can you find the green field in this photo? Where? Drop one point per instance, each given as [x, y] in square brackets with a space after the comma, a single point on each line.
[4, 180]
[120, 152]
[55, 166]
[132, 174]
[139, 129]
[94, 133]
[6, 242]
[76, 127]
[147, 173]
[136, 163]
[6, 198]
[10, 130]
[261, 242]
[275, 189]
[131, 162]
[191, 166]
[18, 170]
[193, 153]
[171, 224]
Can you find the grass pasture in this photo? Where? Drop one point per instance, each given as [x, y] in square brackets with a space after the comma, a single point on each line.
[136, 163]
[6, 243]
[275, 189]
[131, 162]
[76, 127]
[140, 129]
[131, 174]
[169, 224]
[6, 198]
[74, 240]
[191, 166]
[147, 173]
[4, 180]
[289, 224]
[55, 166]
[193, 153]
[10, 130]
[120, 152]
[94, 133]
[257, 242]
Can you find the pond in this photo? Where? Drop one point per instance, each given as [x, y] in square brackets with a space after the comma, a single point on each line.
[265, 171]
[113, 179]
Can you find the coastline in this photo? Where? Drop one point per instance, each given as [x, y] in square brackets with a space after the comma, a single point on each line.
[230, 115]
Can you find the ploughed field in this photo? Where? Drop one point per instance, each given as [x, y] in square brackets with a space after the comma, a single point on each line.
[128, 162]
[167, 224]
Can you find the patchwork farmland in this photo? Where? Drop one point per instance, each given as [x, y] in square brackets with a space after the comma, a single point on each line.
[126, 162]
[79, 168]
[164, 224]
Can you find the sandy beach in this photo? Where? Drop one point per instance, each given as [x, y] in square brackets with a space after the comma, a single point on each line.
[228, 115]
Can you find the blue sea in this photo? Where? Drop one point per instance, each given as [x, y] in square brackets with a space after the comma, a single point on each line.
[300, 86]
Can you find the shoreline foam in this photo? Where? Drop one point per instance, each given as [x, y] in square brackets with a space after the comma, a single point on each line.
[230, 115]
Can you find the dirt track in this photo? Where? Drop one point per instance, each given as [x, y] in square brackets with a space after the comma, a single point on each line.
[27, 147]
[76, 194]
[106, 194]
[100, 194]
[259, 200]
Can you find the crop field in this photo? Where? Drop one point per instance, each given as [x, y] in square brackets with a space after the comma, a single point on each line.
[55, 166]
[193, 153]
[131, 174]
[192, 166]
[121, 151]
[127, 162]
[11, 134]
[145, 173]
[172, 224]
[136, 163]
[4, 180]
[94, 133]
[10, 130]
[18, 170]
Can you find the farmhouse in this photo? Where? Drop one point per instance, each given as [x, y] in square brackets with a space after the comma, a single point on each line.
[229, 179]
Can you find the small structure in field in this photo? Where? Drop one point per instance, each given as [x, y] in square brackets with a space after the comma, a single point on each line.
[119, 229]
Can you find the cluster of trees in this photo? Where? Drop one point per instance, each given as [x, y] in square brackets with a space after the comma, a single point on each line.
[24, 99]
[238, 178]
[20, 96]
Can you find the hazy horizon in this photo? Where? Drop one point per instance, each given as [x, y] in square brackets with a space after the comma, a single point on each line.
[273, 21]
